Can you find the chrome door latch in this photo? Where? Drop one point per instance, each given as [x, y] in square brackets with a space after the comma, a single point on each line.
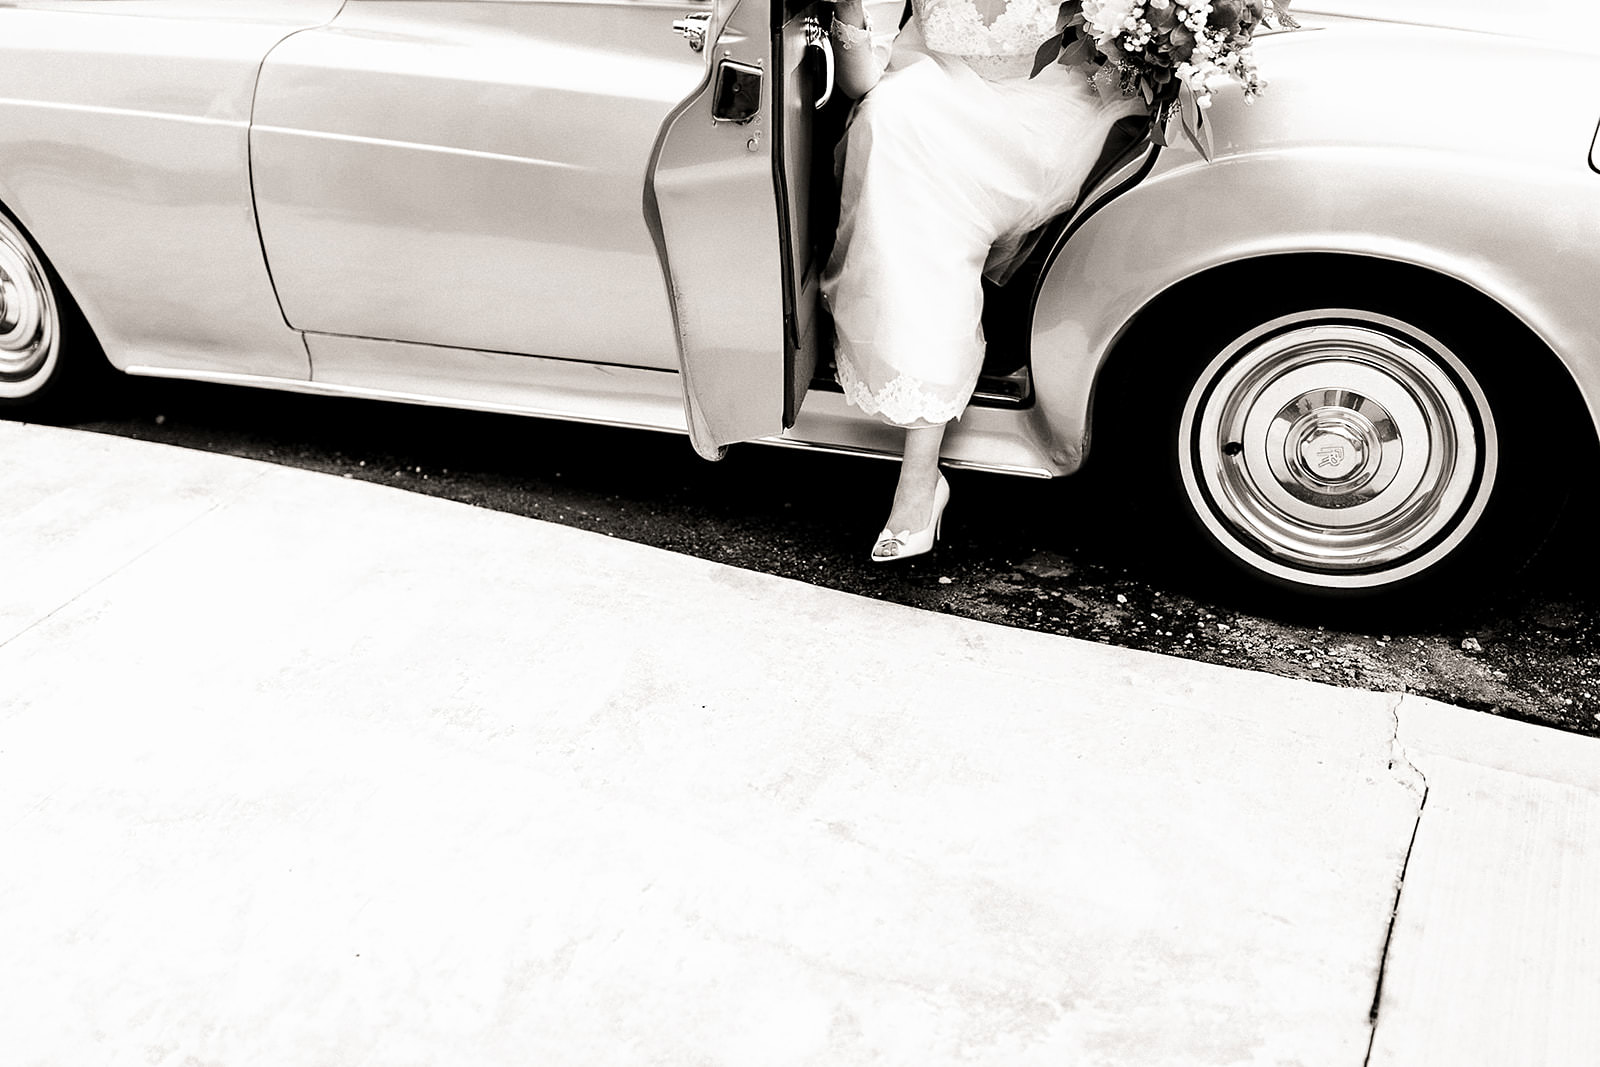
[693, 28]
[817, 38]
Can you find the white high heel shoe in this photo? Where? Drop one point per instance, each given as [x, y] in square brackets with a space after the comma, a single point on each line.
[907, 543]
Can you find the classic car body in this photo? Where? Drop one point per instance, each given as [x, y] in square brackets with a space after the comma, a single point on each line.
[617, 211]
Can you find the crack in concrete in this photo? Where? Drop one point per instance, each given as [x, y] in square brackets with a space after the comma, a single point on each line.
[1409, 775]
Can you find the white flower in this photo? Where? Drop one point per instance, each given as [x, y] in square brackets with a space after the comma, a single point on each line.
[1124, 32]
[1194, 13]
[1135, 39]
[1109, 19]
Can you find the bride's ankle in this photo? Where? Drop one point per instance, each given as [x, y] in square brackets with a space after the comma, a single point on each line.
[914, 500]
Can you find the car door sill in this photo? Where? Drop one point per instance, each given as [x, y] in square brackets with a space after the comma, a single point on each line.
[999, 440]
[661, 413]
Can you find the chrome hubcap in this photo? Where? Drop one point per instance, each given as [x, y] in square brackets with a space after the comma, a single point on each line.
[1338, 448]
[28, 322]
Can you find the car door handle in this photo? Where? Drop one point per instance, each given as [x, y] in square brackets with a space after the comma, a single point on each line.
[817, 37]
[693, 28]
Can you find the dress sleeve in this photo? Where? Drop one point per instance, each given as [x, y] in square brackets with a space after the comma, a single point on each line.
[864, 53]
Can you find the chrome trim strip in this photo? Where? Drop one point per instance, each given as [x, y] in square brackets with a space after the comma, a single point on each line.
[98, 109]
[997, 468]
[980, 397]
[872, 453]
[298, 385]
[999, 400]
[414, 146]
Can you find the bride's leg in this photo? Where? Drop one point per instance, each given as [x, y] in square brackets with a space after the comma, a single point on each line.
[919, 476]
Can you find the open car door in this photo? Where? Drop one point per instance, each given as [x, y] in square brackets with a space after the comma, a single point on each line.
[727, 198]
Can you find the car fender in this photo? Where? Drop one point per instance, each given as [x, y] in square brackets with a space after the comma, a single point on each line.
[1501, 198]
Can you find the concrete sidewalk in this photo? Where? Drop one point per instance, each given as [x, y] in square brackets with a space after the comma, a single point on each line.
[299, 770]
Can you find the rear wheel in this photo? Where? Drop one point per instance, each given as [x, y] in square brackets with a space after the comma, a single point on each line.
[1393, 443]
[1337, 448]
[46, 353]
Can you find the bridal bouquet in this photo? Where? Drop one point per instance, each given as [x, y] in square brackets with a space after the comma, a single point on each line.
[1174, 53]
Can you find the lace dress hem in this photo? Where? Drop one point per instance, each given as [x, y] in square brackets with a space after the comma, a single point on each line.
[903, 401]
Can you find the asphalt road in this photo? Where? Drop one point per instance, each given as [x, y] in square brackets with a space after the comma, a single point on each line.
[1017, 552]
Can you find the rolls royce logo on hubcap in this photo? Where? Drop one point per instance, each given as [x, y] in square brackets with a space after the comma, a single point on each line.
[1332, 455]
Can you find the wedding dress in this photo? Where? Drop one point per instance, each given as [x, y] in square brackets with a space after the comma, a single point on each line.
[949, 160]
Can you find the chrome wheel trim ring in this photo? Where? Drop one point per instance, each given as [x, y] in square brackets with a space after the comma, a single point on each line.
[30, 321]
[1338, 449]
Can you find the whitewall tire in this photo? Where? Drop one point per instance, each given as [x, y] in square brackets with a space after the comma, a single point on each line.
[1337, 449]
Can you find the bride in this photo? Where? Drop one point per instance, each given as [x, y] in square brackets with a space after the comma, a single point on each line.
[952, 155]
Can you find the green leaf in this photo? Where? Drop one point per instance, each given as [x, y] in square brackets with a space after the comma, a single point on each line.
[1193, 121]
[1077, 52]
[1046, 54]
[1158, 135]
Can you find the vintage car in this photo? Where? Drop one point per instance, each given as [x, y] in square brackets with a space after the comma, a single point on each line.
[1360, 349]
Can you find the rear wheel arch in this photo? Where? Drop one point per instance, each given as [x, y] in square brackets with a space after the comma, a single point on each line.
[1198, 293]
[1454, 351]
